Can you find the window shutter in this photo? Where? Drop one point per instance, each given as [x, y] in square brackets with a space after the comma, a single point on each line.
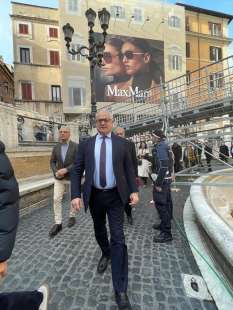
[210, 27]
[56, 58]
[212, 53]
[187, 49]
[219, 53]
[23, 28]
[187, 27]
[26, 91]
[211, 81]
[53, 33]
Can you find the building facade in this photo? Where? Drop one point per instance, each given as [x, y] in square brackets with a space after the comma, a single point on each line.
[6, 83]
[207, 36]
[37, 59]
[162, 25]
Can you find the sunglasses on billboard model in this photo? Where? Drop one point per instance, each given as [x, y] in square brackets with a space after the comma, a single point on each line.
[130, 55]
[107, 57]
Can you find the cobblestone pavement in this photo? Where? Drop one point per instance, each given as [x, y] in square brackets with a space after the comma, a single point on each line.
[68, 262]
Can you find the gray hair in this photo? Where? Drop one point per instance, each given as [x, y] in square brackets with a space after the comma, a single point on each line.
[105, 111]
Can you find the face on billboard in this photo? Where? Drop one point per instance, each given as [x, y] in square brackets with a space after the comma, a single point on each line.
[134, 59]
[112, 62]
[131, 66]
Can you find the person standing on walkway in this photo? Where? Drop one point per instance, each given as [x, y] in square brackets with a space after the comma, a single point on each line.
[144, 163]
[9, 218]
[120, 132]
[110, 181]
[208, 155]
[61, 162]
[163, 168]
[177, 151]
[224, 152]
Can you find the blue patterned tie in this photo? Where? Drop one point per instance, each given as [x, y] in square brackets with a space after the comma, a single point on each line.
[103, 163]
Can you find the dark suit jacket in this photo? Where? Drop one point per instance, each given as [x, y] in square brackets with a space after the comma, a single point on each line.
[122, 167]
[56, 162]
[133, 155]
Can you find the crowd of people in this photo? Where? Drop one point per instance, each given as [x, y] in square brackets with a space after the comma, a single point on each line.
[186, 155]
[102, 172]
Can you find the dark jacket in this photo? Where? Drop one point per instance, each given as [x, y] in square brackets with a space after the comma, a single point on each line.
[133, 155]
[162, 162]
[56, 162]
[9, 206]
[208, 152]
[122, 166]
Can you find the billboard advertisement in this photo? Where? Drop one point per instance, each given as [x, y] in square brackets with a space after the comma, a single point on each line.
[131, 66]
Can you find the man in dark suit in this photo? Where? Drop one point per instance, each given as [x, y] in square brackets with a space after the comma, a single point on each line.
[61, 162]
[109, 182]
[120, 132]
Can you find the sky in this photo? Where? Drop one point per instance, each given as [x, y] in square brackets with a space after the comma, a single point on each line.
[6, 46]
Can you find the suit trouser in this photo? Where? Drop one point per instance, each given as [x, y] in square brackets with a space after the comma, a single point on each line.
[21, 300]
[59, 190]
[164, 205]
[109, 202]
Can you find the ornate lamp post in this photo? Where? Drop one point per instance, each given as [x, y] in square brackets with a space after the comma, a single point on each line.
[94, 52]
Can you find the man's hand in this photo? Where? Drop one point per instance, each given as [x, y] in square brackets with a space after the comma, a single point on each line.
[134, 199]
[3, 269]
[158, 188]
[61, 172]
[76, 204]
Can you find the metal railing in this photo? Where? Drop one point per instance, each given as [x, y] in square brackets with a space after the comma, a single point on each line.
[31, 130]
[196, 91]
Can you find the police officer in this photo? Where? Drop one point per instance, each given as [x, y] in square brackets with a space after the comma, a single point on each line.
[163, 168]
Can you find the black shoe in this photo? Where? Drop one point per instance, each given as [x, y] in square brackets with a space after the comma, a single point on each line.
[122, 301]
[130, 219]
[156, 226]
[162, 238]
[103, 264]
[55, 230]
[71, 222]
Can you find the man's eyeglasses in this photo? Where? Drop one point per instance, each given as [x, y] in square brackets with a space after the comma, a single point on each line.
[130, 55]
[103, 120]
[107, 57]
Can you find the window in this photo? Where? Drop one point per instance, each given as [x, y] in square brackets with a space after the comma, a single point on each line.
[215, 29]
[56, 93]
[26, 90]
[117, 12]
[77, 96]
[187, 49]
[174, 21]
[216, 80]
[53, 32]
[23, 29]
[137, 14]
[54, 58]
[24, 55]
[73, 5]
[187, 25]
[175, 62]
[188, 77]
[76, 57]
[215, 53]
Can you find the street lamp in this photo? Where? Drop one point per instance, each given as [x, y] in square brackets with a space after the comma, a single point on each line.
[94, 52]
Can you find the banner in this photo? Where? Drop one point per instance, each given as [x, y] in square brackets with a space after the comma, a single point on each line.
[131, 67]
